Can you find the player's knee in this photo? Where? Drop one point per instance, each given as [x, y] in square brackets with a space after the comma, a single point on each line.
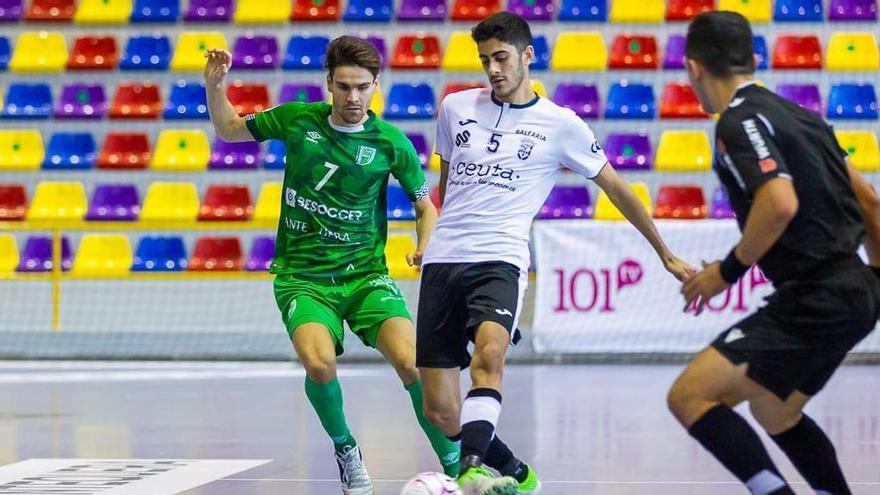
[680, 399]
[774, 418]
[442, 415]
[321, 369]
[489, 358]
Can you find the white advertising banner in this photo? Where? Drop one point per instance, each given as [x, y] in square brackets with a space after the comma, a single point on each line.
[602, 289]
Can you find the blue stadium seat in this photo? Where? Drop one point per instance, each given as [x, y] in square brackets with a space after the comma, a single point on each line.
[160, 254]
[369, 11]
[187, 101]
[71, 151]
[630, 101]
[155, 11]
[759, 46]
[28, 101]
[798, 11]
[306, 53]
[852, 102]
[276, 155]
[399, 205]
[146, 52]
[542, 53]
[410, 101]
[5, 52]
[583, 10]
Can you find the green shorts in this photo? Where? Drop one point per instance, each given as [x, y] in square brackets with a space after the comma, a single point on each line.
[364, 302]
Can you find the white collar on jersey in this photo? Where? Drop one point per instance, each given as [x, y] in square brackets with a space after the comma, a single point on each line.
[340, 128]
[514, 105]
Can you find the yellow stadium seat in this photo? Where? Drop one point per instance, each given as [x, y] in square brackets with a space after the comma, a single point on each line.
[864, 152]
[103, 255]
[261, 12]
[39, 52]
[103, 12]
[189, 53]
[58, 201]
[538, 87]
[396, 249]
[852, 52]
[753, 10]
[268, 202]
[638, 11]
[461, 54]
[605, 209]
[579, 51]
[171, 201]
[21, 150]
[434, 162]
[8, 253]
[683, 151]
[181, 150]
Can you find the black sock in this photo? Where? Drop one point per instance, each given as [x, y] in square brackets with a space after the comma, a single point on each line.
[500, 457]
[479, 415]
[735, 444]
[814, 456]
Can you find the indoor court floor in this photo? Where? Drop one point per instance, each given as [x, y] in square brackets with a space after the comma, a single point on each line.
[588, 429]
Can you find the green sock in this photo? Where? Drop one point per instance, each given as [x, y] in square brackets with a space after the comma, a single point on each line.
[447, 451]
[326, 399]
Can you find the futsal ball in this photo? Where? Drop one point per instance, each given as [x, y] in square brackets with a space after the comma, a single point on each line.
[431, 484]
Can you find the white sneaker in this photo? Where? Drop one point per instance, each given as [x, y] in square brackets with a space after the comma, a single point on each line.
[352, 472]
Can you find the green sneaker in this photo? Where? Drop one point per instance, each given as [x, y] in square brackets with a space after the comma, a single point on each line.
[531, 485]
[481, 481]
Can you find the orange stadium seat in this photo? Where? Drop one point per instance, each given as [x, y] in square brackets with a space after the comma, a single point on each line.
[226, 202]
[248, 98]
[136, 101]
[125, 150]
[629, 51]
[217, 254]
[93, 53]
[684, 202]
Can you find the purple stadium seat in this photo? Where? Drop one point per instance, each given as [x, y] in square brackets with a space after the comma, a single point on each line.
[720, 205]
[420, 143]
[532, 10]
[582, 99]
[304, 92]
[262, 252]
[114, 202]
[805, 95]
[81, 101]
[37, 255]
[852, 10]
[379, 43]
[422, 10]
[235, 156]
[674, 58]
[567, 202]
[255, 52]
[11, 10]
[209, 11]
[629, 151]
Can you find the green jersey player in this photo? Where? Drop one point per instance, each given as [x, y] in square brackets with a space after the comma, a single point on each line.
[329, 263]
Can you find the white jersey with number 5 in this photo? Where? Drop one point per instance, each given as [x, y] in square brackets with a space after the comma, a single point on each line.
[503, 162]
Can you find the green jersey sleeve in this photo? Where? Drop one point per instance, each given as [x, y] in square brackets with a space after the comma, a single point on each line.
[407, 169]
[274, 122]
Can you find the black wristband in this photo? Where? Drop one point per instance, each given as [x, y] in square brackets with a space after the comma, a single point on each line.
[732, 269]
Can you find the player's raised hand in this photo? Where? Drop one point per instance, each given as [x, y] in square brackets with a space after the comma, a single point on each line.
[218, 64]
[703, 286]
[679, 268]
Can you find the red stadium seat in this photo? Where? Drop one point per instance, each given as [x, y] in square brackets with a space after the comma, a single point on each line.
[315, 10]
[217, 254]
[136, 101]
[680, 202]
[248, 98]
[474, 10]
[685, 10]
[455, 87]
[416, 51]
[797, 52]
[51, 11]
[435, 197]
[226, 202]
[93, 53]
[680, 102]
[13, 202]
[125, 150]
[633, 52]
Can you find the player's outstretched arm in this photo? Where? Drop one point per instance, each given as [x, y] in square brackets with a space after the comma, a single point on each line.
[426, 220]
[227, 124]
[869, 204]
[622, 196]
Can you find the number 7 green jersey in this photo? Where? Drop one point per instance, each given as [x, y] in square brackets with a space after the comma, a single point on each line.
[333, 213]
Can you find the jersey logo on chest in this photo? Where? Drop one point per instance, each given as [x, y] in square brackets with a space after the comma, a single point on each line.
[313, 136]
[365, 155]
[525, 149]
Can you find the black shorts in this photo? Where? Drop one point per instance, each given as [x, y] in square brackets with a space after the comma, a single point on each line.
[454, 299]
[797, 341]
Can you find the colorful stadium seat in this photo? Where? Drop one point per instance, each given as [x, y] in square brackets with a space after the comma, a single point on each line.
[565, 202]
[160, 254]
[13, 202]
[276, 155]
[315, 10]
[368, 11]
[261, 255]
[155, 11]
[435, 197]
[582, 99]
[5, 52]
[58, 201]
[853, 52]
[455, 87]
[638, 11]
[532, 10]
[9, 258]
[268, 202]
[303, 92]
[674, 55]
[397, 247]
[798, 11]
[679, 101]
[21, 150]
[248, 98]
[187, 100]
[568, 54]
[852, 10]
[189, 53]
[852, 102]
[146, 52]
[125, 150]
[805, 95]
[227, 203]
[683, 202]
[422, 10]
[630, 101]
[539, 88]
[605, 209]
[416, 51]
[70, 151]
[398, 204]
[114, 202]
[103, 12]
[756, 11]
[209, 11]
[720, 208]
[583, 10]
[81, 101]
[797, 52]
[461, 54]
[434, 162]
[685, 10]
[102, 255]
[410, 101]
[255, 52]
[93, 53]
[759, 46]
[626, 151]
[632, 51]
[171, 201]
[51, 10]
[474, 10]
[420, 143]
[683, 151]
[378, 42]
[28, 101]
[11, 10]
[542, 53]
[234, 156]
[37, 255]
[136, 101]
[217, 254]
[862, 148]
[261, 12]
[306, 53]
[181, 150]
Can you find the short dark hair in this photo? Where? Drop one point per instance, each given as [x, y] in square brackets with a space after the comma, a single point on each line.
[722, 42]
[352, 51]
[506, 27]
